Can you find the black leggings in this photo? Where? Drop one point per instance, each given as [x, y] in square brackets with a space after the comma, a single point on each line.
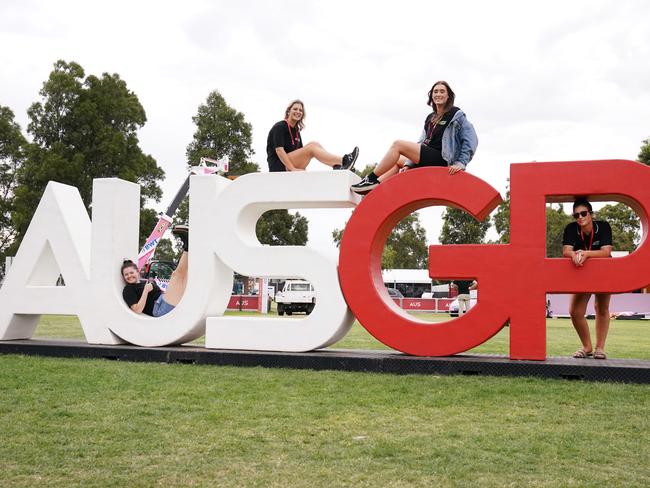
[430, 157]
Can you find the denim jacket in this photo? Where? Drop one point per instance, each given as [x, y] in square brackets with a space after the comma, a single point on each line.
[459, 140]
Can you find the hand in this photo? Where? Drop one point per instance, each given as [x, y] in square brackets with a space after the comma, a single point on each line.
[455, 168]
[148, 287]
[404, 168]
[579, 258]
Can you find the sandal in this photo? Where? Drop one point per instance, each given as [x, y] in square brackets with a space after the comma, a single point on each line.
[582, 354]
[600, 355]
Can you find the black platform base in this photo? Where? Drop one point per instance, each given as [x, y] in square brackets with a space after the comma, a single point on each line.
[621, 370]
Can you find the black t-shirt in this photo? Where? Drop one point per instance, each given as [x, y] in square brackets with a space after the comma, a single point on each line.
[602, 236]
[281, 135]
[434, 131]
[133, 291]
[463, 286]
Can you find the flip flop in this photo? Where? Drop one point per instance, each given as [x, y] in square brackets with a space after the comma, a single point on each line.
[600, 355]
[582, 354]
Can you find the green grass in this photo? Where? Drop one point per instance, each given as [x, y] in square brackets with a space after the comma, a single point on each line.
[73, 422]
[627, 338]
[102, 423]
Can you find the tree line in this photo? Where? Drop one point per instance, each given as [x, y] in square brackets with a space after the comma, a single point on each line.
[85, 126]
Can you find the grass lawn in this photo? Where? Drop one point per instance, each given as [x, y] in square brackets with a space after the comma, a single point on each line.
[627, 338]
[73, 422]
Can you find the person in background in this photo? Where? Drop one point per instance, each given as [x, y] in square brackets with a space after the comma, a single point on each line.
[285, 151]
[464, 287]
[584, 239]
[448, 139]
[146, 297]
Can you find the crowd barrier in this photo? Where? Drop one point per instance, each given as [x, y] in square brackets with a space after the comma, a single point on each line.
[251, 303]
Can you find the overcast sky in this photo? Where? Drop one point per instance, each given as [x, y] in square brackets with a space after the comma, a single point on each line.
[540, 81]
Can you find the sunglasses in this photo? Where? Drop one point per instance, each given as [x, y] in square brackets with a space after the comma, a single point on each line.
[577, 215]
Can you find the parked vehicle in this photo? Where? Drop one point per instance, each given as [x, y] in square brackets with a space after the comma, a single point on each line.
[158, 269]
[296, 296]
[394, 293]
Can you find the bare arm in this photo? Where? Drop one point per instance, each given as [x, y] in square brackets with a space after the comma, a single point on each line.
[603, 252]
[139, 307]
[568, 252]
[282, 154]
[579, 257]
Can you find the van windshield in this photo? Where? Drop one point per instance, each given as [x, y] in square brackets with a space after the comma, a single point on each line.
[300, 287]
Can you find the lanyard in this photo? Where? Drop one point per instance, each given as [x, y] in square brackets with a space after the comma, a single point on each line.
[295, 140]
[432, 127]
[591, 240]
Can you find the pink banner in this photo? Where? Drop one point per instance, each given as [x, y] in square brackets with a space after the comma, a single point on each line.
[152, 241]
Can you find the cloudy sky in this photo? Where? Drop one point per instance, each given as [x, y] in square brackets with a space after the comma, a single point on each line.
[541, 81]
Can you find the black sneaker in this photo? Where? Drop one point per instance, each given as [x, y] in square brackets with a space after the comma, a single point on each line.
[364, 186]
[183, 233]
[350, 159]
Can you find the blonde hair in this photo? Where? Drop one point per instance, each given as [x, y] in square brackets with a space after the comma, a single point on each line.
[301, 122]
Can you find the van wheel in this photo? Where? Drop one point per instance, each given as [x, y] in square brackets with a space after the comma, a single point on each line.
[310, 308]
[289, 312]
[280, 309]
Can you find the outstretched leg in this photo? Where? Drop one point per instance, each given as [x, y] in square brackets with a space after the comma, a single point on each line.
[177, 282]
[300, 158]
[394, 170]
[410, 150]
[389, 165]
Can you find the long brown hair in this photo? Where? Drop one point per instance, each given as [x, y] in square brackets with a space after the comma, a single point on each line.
[450, 100]
[301, 122]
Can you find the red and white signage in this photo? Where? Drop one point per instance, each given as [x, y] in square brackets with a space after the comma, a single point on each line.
[513, 278]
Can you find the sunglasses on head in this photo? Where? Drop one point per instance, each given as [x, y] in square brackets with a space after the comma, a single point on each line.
[584, 213]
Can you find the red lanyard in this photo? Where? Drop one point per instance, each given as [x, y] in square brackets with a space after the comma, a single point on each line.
[295, 140]
[591, 240]
[432, 127]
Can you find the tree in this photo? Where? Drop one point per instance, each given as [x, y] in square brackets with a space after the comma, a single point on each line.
[223, 133]
[365, 171]
[406, 246]
[556, 221]
[165, 251]
[644, 153]
[12, 155]
[625, 226]
[83, 128]
[280, 228]
[459, 227]
[502, 220]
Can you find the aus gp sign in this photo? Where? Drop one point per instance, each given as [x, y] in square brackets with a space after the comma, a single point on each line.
[513, 278]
